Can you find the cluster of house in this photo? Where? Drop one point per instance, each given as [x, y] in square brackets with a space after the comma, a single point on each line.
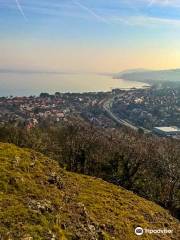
[149, 107]
[30, 111]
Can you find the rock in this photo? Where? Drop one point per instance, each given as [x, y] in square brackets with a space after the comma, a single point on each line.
[33, 160]
[92, 228]
[32, 164]
[51, 236]
[27, 237]
[56, 180]
[16, 161]
[41, 206]
[89, 225]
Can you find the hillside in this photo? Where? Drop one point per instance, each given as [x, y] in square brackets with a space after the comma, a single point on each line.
[172, 75]
[39, 200]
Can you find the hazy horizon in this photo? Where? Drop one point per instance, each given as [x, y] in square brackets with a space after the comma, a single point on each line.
[33, 84]
[61, 38]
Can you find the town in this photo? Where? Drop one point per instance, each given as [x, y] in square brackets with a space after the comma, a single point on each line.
[152, 110]
[31, 111]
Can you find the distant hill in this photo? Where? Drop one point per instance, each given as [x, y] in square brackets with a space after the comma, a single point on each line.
[141, 75]
[132, 71]
[39, 200]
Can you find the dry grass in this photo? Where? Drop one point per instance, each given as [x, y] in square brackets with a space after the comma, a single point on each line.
[39, 200]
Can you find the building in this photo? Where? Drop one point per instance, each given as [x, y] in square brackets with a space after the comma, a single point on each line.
[167, 131]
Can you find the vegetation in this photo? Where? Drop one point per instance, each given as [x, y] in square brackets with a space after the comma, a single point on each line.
[39, 200]
[146, 165]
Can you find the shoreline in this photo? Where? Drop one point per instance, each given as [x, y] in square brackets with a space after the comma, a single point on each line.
[77, 84]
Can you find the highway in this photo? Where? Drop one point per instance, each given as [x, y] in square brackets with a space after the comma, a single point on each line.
[107, 107]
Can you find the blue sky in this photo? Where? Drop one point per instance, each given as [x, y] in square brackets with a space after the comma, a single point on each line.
[89, 35]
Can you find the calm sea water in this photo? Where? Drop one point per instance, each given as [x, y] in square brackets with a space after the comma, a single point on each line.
[34, 84]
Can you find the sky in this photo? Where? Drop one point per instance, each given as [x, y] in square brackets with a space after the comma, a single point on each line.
[89, 35]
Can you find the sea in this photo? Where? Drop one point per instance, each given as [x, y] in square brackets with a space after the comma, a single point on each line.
[27, 84]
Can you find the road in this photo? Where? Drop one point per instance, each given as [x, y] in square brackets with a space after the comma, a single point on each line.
[107, 107]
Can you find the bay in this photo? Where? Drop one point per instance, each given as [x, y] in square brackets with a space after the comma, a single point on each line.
[26, 84]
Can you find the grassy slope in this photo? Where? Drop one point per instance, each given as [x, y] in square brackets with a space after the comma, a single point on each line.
[38, 200]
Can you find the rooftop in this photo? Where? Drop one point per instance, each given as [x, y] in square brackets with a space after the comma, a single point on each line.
[168, 129]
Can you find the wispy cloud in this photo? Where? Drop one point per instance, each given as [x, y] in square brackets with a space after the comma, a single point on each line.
[90, 11]
[21, 10]
[140, 17]
[165, 3]
[142, 20]
[128, 12]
